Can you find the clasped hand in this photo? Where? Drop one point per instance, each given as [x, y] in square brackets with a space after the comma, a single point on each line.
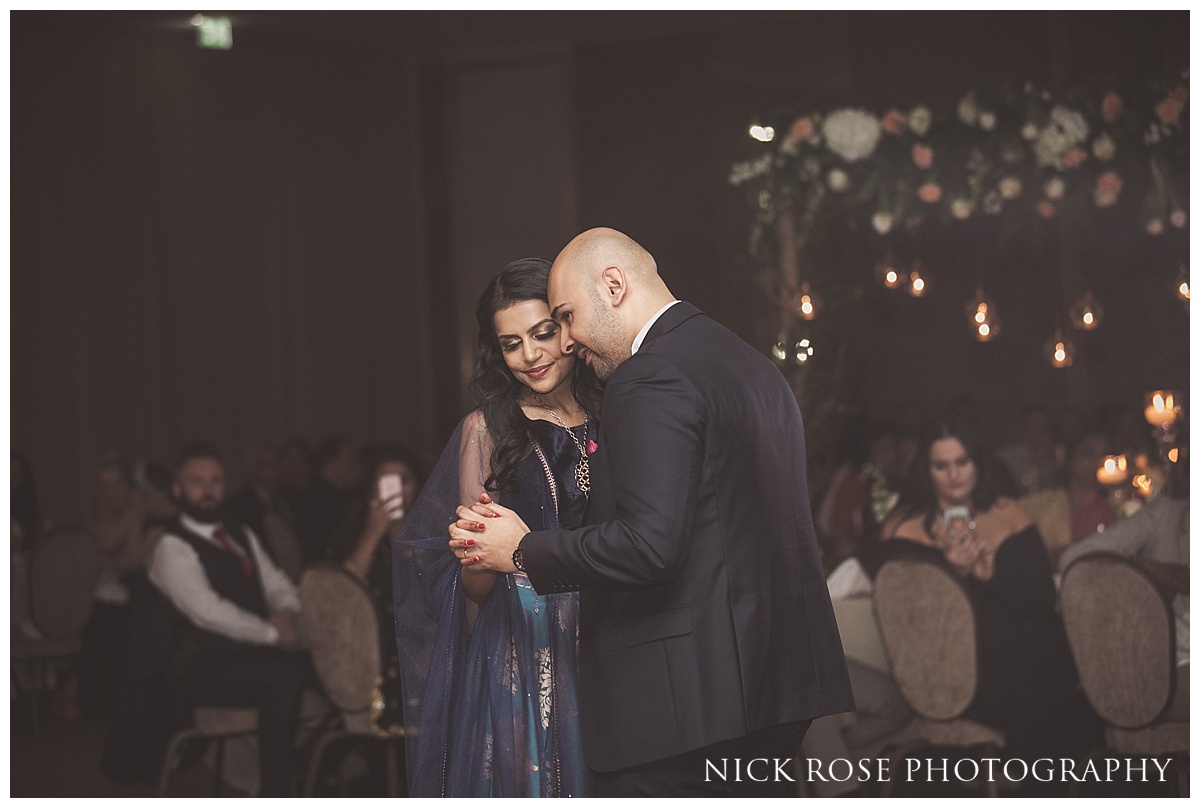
[485, 535]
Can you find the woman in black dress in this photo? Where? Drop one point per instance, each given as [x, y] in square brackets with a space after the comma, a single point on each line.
[950, 511]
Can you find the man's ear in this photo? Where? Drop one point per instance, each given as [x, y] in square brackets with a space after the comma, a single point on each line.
[612, 284]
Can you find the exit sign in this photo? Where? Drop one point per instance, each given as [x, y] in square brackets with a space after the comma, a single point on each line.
[214, 32]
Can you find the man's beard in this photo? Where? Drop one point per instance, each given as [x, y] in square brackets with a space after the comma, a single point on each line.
[204, 514]
[609, 336]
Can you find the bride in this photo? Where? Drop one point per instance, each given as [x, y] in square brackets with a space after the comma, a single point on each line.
[490, 702]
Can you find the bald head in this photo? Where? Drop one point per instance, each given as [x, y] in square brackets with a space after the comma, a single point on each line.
[603, 288]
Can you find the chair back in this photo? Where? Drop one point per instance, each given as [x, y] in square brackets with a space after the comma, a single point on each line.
[341, 628]
[927, 624]
[1121, 630]
[63, 574]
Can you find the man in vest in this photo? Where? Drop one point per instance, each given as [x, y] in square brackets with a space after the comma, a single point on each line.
[239, 642]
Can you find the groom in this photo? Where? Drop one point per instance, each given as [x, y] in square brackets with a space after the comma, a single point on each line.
[707, 638]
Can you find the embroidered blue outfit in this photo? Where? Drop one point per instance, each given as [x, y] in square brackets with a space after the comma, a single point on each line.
[491, 710]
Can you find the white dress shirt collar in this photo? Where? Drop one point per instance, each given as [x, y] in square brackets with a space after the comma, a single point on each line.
[200, 528]
[641, 335]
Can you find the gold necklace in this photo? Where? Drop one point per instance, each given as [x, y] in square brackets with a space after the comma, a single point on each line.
[583, 476]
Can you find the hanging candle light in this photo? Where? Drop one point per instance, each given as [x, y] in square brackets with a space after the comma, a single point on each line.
[888, 273]
[805, 302]
[916, 283]
[981, 314]
[1087, 313]
[1059, 352]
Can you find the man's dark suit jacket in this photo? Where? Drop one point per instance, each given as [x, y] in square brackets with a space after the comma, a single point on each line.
[704, 613]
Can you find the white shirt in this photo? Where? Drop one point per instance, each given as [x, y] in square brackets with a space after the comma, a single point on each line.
[641, 335]
[176, 571]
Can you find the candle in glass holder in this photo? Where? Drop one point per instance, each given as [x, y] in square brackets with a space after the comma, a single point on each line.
[1113, 471]
[1160, 408]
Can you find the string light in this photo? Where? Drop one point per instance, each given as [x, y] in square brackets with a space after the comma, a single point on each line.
[1182, 287]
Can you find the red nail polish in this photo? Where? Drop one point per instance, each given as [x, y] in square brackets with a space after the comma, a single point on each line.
[480, 525]
[471, 542]
[474, 559]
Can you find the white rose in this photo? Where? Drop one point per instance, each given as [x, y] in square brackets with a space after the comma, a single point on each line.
[919, 120]
[1104, 148]
[838, 180]
[1055, 188]
[1010, 187]
[987, 121]
[968, 110]
[882, 222]
[961, 209]
[851, 134]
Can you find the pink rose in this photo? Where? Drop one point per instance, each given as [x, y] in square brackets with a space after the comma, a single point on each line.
[1168, 110]
[802, 129]
[930, 192]
[1110, 107]
[1074, 158]
[893, 122]
[922, 155]
[1108, 182]
[1046, 209]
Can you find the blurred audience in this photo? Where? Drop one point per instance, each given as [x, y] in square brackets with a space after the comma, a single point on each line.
[1035, 459]
[868, 474]
[950, 512]
[339, 475]
[25, 526]
[129, 522]
[362, 545]
[1066, 515]
[262, 506]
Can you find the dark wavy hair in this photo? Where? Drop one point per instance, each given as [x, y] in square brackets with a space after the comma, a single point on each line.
[917, 495]
[496, 390]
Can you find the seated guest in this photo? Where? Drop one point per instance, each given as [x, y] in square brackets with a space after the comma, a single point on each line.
[1067, 515]
[126, 528]
[871, 461]
[949, 512]
[362, 544]
[240, 638]
[339, 473]
[1157, 537]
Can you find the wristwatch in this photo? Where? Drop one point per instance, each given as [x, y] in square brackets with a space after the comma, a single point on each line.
[518, 559]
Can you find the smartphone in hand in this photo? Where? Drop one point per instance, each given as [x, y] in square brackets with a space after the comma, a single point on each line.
[391, 494]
